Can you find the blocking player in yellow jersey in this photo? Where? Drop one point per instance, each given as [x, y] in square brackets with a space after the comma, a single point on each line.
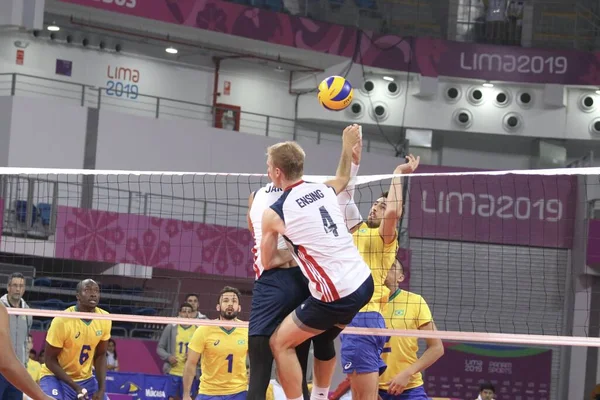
[223, 351]
[402, 379]
[73, 346]
[377, 241]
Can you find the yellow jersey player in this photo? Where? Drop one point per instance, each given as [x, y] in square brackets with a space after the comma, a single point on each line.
[223, 351]
[173, 348]
[377, 242]
[402, 379]
[73, 346]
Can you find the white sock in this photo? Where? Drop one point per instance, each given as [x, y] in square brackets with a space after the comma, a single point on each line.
[319, 393]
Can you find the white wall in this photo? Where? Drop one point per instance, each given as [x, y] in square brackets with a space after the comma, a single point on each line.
[46, 134]
[251, 84]
[5, 124]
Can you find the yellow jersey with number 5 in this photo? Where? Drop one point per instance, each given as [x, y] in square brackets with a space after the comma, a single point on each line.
[77, 339]
[223, 355]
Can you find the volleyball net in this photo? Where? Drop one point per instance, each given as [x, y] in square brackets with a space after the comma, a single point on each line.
[500, 258]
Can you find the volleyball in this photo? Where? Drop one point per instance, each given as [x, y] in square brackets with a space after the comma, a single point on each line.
[335, 93]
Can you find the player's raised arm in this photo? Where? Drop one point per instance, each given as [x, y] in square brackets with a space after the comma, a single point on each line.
[272, 226]
[10, 367]
[394, 201]
[346, 197]
[248, 220]
[350, 138]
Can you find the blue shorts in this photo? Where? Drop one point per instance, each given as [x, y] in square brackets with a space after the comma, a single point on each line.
[362, 353]
[236, 396]
[317, 314]
[8, 391]
[59, 390]
[417, 393]
[276, 293]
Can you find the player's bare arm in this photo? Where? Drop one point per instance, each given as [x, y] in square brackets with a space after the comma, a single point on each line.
[435, 350]
[394, 201]
[100, 367]
[351, 211]
[248, 220]
[189, 372]
[51, 359]
[11, 368]
[350, 138]
[272, 226]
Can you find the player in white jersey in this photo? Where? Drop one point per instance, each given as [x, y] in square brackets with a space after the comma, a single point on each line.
[277, 291]
[309, 217]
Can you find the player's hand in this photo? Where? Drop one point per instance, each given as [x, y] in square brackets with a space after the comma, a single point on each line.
[397, 385]
[99, 395]
[351, 136]
[82, 394]
[172, 360]
[409, 167]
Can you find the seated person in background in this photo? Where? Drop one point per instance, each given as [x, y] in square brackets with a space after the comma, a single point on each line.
[487, 391]
[173, 349]
[73, 345]
[112, 362]
[33, 367]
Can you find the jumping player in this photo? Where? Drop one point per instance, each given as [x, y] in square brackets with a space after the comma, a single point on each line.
[277, 292]
[309, 217]
[73, 346]
[402, 379]
[377, 242]
[223, 350]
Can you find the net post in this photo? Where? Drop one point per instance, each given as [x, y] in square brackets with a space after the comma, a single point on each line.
[54, 208]
[13, 84]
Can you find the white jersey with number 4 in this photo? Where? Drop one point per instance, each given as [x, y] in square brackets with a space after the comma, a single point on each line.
[263, 198]
[322, 245]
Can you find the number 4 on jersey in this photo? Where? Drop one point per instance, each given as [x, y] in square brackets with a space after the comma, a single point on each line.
[328, 224]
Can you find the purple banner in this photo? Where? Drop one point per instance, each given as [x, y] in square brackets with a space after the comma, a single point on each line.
[516, 372]
[1, 217]
[510, 209]
[93, 235]
[427, 56]
[593, 244]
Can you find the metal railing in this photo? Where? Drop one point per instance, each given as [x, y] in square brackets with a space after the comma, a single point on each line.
[124, 99]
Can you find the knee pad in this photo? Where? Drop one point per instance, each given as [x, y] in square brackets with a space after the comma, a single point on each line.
[323, 345]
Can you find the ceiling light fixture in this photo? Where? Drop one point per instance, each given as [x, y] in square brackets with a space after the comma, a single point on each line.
[488, 85]
[171, 50]
[388, 78]
[53, 28]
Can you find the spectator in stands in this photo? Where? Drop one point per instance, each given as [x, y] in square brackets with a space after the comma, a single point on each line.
[19, 330]
[112, 362]
[33, 367]
[486, 391]
[192, 299]
[172, 348]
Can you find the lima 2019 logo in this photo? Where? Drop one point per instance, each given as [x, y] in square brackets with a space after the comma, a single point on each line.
[120, 3]
[122, 82]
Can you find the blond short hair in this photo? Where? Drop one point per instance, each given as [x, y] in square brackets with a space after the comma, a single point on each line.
[289, 158]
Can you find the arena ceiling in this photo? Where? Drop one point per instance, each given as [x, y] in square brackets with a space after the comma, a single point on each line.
[150, 38]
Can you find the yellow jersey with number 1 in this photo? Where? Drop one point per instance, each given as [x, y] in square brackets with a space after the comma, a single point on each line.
[406, 310]
[223, 355]
[77, 339]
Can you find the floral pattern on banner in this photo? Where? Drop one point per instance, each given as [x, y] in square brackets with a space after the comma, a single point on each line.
[427, 56]
[93, 235]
